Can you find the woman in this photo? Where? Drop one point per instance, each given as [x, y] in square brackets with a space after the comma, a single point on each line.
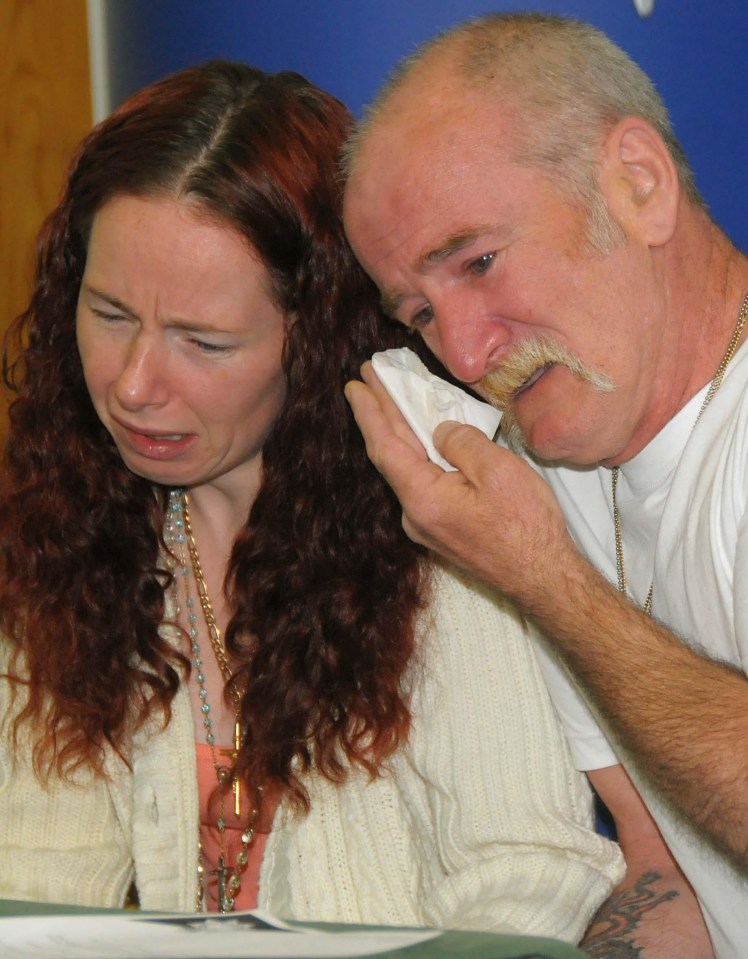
[198, 560]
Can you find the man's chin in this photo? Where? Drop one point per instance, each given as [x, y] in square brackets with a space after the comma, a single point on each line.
[511, 432]
[515, 440]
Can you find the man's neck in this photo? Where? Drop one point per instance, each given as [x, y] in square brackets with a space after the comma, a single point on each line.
[707, 281]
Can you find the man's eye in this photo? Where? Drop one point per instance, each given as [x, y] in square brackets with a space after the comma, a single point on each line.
[482, 263]
[422, 318]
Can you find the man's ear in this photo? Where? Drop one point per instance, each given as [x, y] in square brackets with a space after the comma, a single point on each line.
[640, 182]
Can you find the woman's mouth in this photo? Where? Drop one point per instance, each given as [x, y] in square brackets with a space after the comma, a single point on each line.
[153, 445]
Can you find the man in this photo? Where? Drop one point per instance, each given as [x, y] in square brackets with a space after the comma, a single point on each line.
[519, 197]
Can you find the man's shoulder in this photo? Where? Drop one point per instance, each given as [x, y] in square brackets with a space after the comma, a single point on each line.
[580, 490]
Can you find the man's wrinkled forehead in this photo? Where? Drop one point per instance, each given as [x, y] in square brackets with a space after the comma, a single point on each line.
[409, 176]
[381, 186]
[388, 203]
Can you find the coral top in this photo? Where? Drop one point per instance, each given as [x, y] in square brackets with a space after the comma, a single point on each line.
[210, 809]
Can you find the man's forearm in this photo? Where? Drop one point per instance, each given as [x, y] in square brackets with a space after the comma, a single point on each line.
[684, 717]
[652, 916]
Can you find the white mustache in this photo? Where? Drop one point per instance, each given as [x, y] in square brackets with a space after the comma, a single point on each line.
[528, 358]
[523, 362]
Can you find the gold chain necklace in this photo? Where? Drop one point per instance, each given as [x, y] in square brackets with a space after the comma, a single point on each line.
[179, 531]
[713, 387]
[207, 607]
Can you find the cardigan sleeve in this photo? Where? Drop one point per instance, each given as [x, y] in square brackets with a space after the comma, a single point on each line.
[479, 821]
[513, 847]
[83, 839]
[61, 840]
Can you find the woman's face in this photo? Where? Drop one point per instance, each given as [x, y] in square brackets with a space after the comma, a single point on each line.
[181, 344]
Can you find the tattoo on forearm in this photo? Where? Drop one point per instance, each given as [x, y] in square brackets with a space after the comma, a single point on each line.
[613, 930]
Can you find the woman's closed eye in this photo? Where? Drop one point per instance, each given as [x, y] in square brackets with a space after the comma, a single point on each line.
[210, 346]
[205, 346]
[107, 315]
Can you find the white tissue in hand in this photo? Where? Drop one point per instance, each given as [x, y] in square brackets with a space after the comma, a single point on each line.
[426, 400]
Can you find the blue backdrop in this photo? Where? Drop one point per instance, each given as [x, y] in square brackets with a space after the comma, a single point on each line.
[695, 51]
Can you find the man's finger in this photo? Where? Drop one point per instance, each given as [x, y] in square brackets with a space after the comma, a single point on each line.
[390, 409]
[466, 447]
[393, 449]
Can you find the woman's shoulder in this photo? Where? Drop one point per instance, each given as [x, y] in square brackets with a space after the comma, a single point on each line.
[469, 635]
[456, 598]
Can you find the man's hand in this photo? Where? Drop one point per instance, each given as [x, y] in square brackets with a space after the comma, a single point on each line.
[494, 516]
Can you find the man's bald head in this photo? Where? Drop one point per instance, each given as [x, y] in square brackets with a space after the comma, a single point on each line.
[563, 83]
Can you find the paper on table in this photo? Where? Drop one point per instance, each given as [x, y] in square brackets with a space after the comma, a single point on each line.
[238, 936]
[425, 400]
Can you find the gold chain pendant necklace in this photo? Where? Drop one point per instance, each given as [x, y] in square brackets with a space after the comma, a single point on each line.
[713, 387]
[218, 649]
[178, 532]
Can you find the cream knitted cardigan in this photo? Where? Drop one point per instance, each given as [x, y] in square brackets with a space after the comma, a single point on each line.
[479, 822]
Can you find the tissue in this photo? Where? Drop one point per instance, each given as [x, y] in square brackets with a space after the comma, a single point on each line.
[425, 400]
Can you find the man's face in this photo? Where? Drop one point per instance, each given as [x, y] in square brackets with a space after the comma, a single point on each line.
[478, 254]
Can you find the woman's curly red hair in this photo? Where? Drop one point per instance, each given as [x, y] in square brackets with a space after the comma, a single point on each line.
[323, 582]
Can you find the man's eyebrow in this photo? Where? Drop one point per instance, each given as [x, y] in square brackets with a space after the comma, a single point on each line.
[448, 247]
[391, 301]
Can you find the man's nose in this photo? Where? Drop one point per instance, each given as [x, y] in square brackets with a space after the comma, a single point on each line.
[143, 379]
[468, 341]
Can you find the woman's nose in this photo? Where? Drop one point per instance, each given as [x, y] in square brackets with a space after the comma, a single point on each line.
[143, 377]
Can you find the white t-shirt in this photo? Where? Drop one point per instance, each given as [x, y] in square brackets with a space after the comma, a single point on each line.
[683, 503]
